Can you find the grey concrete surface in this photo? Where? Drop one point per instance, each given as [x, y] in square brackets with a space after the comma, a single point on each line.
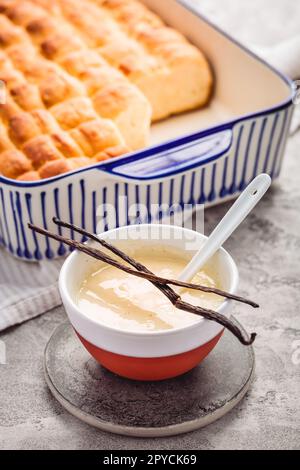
[267, 250]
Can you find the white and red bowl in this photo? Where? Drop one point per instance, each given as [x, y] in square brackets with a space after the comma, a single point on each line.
[146, 355]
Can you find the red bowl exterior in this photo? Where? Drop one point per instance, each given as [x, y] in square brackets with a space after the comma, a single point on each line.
[156, 368]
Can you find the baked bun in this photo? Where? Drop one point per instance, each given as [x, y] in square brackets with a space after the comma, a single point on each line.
[14, 163]
[84, 84]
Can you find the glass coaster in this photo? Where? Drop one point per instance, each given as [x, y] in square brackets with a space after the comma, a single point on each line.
[147, 409]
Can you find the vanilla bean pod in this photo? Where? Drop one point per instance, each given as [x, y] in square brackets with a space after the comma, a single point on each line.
[165, 289]
[171, 294]
[143, 268]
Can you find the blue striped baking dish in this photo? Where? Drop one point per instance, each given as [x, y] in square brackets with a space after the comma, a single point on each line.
[241, 134]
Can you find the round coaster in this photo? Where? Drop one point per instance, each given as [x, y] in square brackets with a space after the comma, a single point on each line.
[147, 409]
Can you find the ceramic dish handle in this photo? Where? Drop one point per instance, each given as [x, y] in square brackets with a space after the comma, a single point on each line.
[174, 158]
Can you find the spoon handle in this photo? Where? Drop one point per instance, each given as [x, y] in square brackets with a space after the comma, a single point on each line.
[236, 214]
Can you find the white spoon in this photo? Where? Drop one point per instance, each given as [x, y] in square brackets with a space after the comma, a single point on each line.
[236, 214]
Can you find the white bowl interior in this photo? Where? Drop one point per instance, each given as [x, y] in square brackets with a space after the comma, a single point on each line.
[152, 343]
[220, 266]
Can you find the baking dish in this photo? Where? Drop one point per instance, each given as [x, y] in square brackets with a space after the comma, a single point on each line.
[203, 157]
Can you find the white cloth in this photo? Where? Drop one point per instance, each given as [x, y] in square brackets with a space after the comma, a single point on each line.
[286, 56]
[30, 289]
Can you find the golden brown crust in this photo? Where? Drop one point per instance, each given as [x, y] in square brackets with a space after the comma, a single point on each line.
[97, 78]
[59, 167]
[29, 176]
[80, 162]
[9, 110]
[9, 34]
[83, 82]
[24, 58]
[112, 152]
[78, 62]
[72, 113]
[57, 46]
[57, 88]
[66, 145]
[5, 141]
[54, 168]
[22, 127]
[95, 136]
[40, 150]
[21, 13]
[13, 163]
[27, 96]
[12, 78]
[4, 5]
[46, 122]
[87, 21]
[130, 12]
[110, 100]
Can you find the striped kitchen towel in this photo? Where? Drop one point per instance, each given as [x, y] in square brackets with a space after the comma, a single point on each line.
[26, 289]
